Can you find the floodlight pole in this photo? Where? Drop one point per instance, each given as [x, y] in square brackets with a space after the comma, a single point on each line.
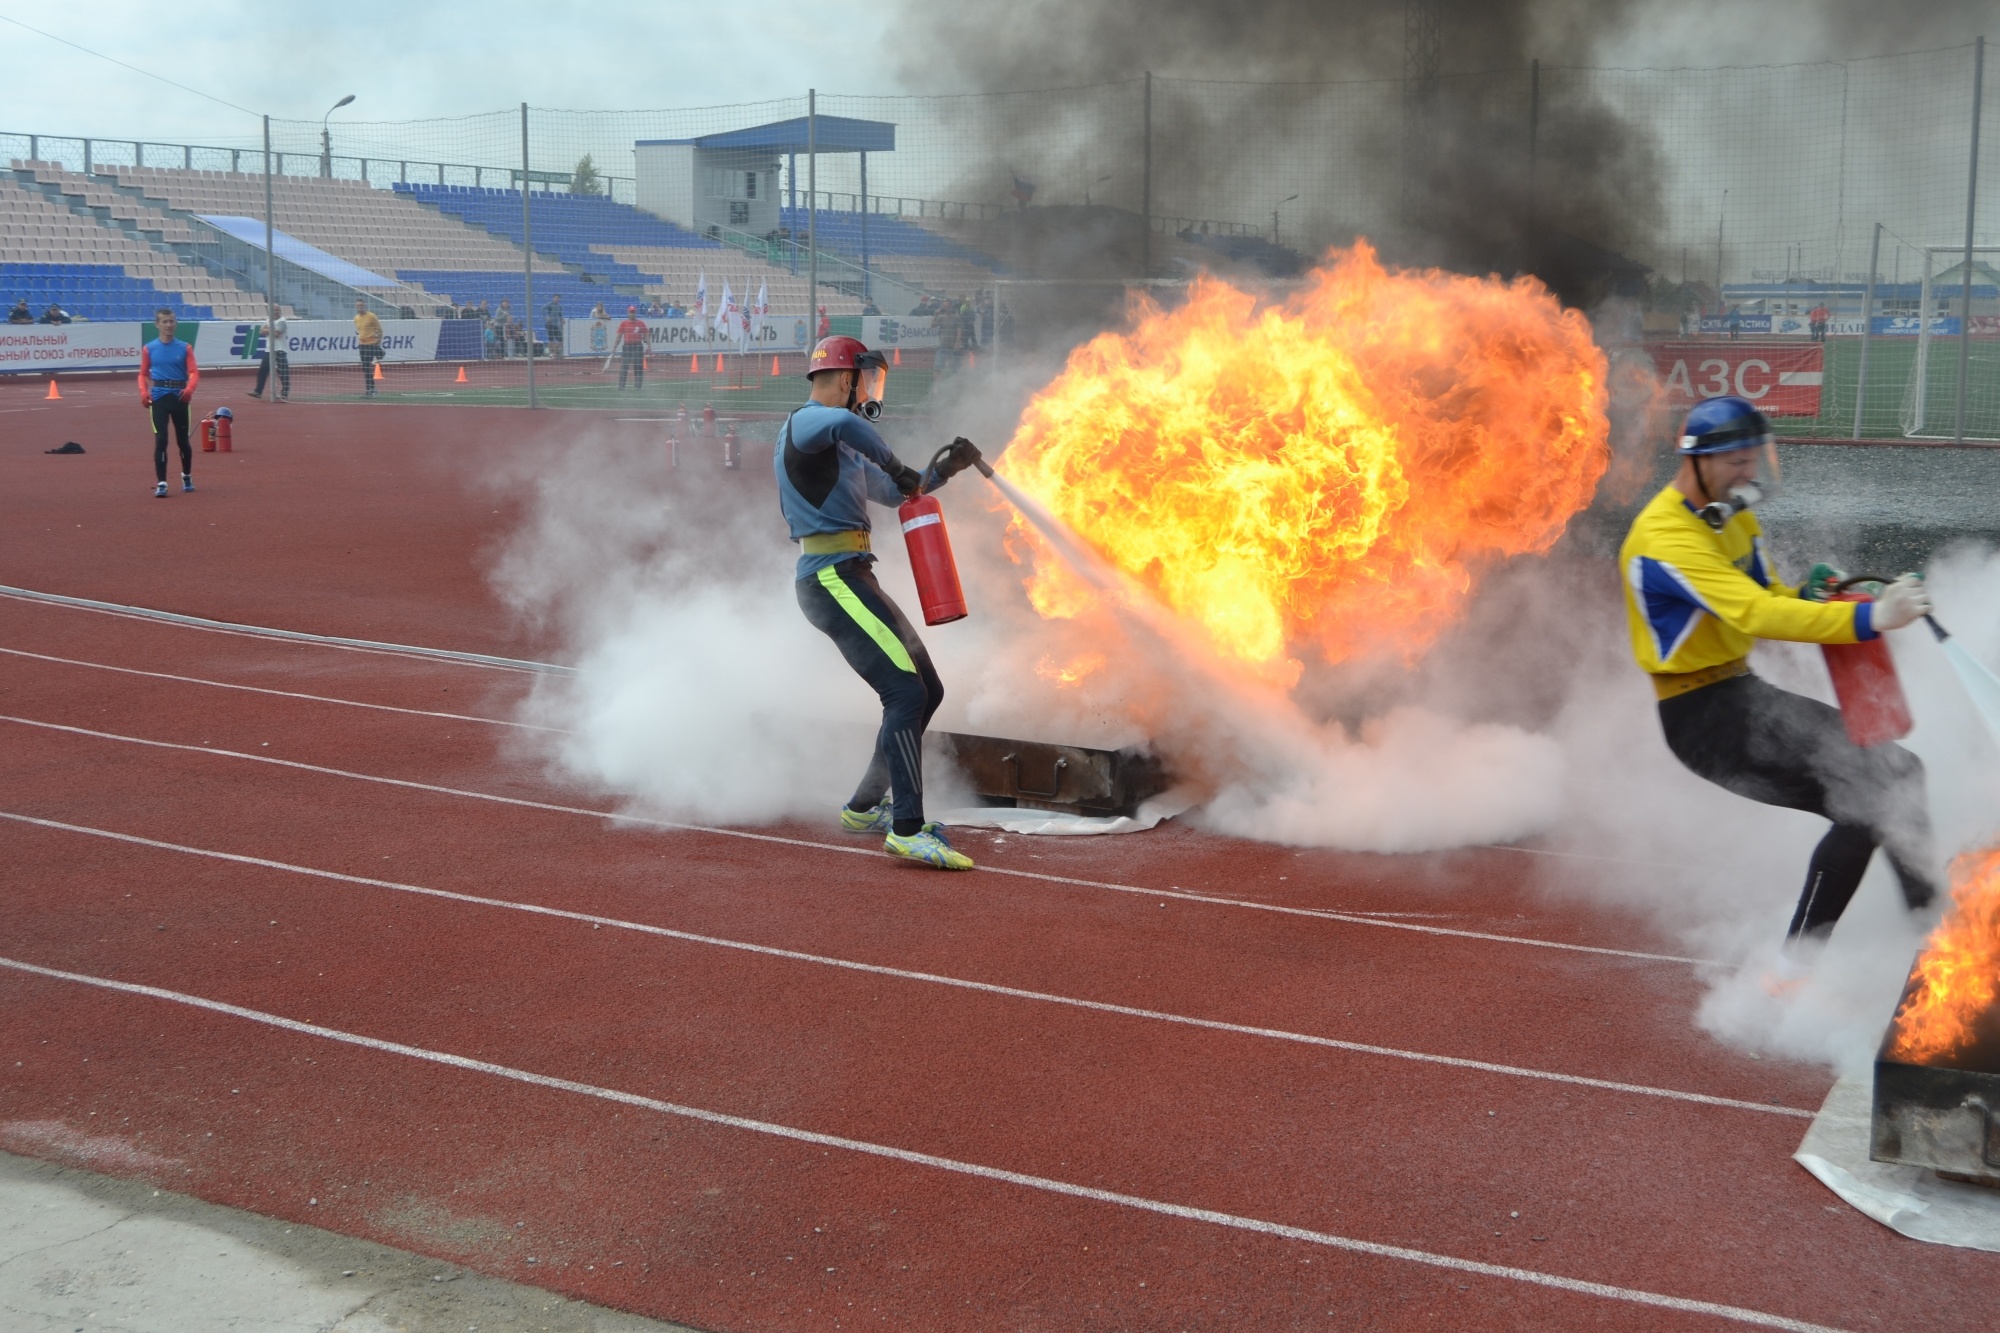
[812, 212]
[1145, 191]
[528, 259]
[1867, 327]
[270, 265]
[1971, 210]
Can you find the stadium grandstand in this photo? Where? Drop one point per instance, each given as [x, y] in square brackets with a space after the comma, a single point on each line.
[909, 252]
[102, 256]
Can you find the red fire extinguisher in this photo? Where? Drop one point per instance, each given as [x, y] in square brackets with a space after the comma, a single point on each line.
[224, 421]
[732, 449]
[208, 434]
[930, 560]
[1872, 706]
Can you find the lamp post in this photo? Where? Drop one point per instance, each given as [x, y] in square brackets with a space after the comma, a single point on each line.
[1274, 215]
[326, 137]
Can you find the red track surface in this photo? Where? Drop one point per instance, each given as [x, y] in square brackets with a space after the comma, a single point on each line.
[1030, 1023]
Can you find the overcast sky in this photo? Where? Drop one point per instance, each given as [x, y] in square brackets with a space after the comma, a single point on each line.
[408, 59]
[405, 59]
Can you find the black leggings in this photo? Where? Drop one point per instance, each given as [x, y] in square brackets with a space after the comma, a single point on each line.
[174, 410]
[632, 361]
[1783, 749]
[845, 603]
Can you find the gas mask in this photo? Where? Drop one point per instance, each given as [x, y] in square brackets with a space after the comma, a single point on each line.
[1761, 486]
[871, 384]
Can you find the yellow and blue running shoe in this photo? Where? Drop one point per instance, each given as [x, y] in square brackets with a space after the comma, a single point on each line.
[876, 819]
[929, 846]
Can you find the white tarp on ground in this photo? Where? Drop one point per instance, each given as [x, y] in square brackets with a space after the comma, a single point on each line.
[1011, 820]
[1908, 1199]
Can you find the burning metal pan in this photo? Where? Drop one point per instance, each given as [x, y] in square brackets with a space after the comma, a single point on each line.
[1040, 775]
[1940, 1112]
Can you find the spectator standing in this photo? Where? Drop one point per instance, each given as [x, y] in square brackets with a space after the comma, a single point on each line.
[1818, 318]
[368, 338]
[825, 324]
[1735, 322]
[20, 314]
[55, 314]
[599, 312]
[632, 349]
[167, 377]
[552, 324]
[272, 335]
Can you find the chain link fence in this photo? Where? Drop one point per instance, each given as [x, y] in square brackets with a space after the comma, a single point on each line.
[1798, 230]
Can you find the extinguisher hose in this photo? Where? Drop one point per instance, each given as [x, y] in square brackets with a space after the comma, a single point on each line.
[1939, 630]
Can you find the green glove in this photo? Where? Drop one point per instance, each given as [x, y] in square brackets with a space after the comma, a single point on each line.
[1819, 584]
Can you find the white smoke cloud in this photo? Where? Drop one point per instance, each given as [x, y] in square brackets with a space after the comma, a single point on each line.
[702, 693]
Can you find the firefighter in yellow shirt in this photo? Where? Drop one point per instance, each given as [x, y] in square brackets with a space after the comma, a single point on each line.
[368, 334]
[1699, 590]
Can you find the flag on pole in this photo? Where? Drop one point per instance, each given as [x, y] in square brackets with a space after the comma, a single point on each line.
[743, 320]
[701, 295]
[762, 310]
[725, 311]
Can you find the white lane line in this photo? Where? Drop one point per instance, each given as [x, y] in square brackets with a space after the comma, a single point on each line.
[282, 694]
[930, 978]
[417, 651]
[1181, 895]
[1374, 1249]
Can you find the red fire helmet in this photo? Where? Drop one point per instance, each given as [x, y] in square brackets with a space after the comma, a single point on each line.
[841, 352]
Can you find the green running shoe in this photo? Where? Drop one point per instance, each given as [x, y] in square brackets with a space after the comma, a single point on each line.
[929, 846]
[875, 819]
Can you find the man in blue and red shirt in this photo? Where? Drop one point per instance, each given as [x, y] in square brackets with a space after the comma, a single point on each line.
[632, 349]
[167, 376]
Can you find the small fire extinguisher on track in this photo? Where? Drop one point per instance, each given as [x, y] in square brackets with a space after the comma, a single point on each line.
[1872, 706]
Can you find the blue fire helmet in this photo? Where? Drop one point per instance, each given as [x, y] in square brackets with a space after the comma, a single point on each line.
[1722, 426]
[225, 412]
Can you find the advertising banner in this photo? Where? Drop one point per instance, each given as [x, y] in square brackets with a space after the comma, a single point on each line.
[48, 348]
[323, 342]
[774, 333]
[1781, 380]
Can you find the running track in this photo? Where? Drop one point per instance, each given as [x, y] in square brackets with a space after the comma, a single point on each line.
[308, 930]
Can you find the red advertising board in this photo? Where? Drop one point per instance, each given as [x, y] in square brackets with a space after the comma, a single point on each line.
[1782, 379]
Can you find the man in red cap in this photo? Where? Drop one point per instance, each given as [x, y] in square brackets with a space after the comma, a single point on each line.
[632, 349]
[831, 461]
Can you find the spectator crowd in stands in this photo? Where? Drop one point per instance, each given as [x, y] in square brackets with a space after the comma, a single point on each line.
[21, 314]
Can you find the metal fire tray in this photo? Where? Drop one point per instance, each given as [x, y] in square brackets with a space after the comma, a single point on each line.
[1942, 1116]
[1039, 775]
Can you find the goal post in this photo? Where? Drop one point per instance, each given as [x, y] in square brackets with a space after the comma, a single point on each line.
[1925, 401]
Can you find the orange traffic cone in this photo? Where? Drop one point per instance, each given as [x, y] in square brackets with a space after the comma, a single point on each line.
[718, 363]
[378, 370]
[972, 360]
[896, 357]
[774, 367]
[461, 375]
[55, 394]
[694, 364]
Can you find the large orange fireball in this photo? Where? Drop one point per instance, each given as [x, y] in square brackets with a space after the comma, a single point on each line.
[1329, 471]
[1957, 978]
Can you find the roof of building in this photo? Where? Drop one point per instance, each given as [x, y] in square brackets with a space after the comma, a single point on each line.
[829, 134]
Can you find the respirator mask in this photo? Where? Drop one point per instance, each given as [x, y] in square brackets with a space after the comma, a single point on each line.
[1729, 499]
[871, 385]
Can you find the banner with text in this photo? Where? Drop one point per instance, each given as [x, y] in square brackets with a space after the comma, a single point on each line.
[1781, 380]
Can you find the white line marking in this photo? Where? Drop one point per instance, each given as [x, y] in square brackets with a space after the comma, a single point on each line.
[1374, 1249]
[931, 978]
[417, 651]
[1182, 895]
[282, 694]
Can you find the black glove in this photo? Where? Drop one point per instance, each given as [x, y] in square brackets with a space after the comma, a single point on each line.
[908, 480]
[951, 460]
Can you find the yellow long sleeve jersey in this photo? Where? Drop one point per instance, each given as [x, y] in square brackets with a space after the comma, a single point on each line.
[1696, 598]
[367, 328]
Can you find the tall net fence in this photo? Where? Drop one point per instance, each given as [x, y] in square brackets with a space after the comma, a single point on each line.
[1722, 221]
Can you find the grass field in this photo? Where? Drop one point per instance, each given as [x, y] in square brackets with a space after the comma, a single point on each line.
[1890, 363]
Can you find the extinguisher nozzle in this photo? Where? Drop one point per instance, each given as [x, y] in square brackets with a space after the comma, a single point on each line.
[1937, 629]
